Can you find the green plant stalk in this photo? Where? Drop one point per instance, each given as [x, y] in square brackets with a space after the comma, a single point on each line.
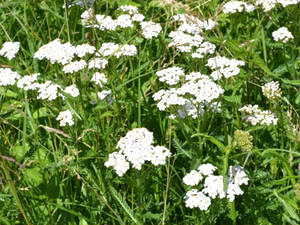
[14, 191]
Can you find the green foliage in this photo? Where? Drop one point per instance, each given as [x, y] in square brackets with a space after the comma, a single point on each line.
[56, 175]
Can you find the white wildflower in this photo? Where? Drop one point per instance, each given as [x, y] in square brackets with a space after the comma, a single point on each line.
[204, 48]
[124, 21]
[28, 82]
[272, 90]
[254, 115]
[224, 67]
[126, 50]
[82, 50]
[48, 91]
[138, 17]
[150, 29]
[282, 34]
[137, 148]
[158, 155]
[87, 17]
[170, 75]
[98, 63]
[56, 52]
[194, 198]
[192, 178]
[206, 169]
[118, 162]
[184, 42]
[75, 66]
[72, 90]
[65, 117]
[108, 48]
[128, 8]
[106, 23]
[237, 6]
[8, 77]
[99, 79]
[10, 49]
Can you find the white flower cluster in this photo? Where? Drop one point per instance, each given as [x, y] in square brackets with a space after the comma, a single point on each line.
[105, 95]
[188, 36]
[137, 148]
[282, 34]
[129, 8]
[213, 185]
[10, 49]
[237, 6]
[196, 92]
[272, 90]
[204, 49]
[170, 75]
[224, 67]
[56, 52]
[82, 50]
[74, 66]
[48, 91]
[270, 4]
[254, 115]
[133, 12]
[184, 42]
[108, 23]
[110, 48]
[98, 63]
[72, 90]
[99, 79]
[28, 82]
[8, 77]
[87, 17]
[192, 24]
[150, 29]
[65, 117]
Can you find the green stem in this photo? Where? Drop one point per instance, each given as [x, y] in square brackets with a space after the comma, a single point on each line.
[14, 191]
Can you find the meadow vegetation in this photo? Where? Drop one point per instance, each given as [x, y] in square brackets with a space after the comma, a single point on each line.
[149, 112]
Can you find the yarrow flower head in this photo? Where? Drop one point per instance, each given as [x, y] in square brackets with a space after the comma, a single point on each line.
[72, 90]
[254, 115]
[213, 185]
[99, 79]
[282, 34]
[150, 29]
[224, 67]
[272, 90]
[75, 66]
[56, 52]
[98, 63]
[82, 50]
[196, 92]
[170, 75]
[137, 148]
[48, 91]
[10, 49]
[270, 4]
[8, 77]
[28, 82]
[237, 6]
[65, 117]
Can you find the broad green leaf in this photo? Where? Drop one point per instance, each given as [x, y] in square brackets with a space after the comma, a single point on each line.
[33, 176]
[19, 151]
